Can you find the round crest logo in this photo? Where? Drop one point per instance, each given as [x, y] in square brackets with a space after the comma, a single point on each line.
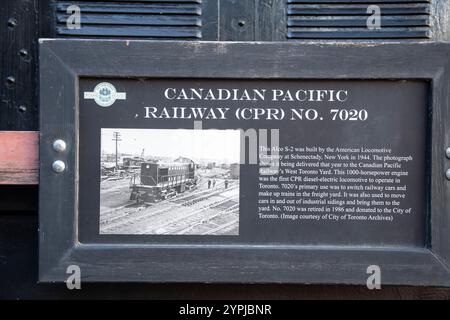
[105, 94]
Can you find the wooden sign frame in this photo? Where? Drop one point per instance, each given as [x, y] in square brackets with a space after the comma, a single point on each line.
[63, 62]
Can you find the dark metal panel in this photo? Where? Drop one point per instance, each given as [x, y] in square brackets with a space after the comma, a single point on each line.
[128, 32]
[65, 61]
[19, 278]
[135, 19]
[23, 22]
[355, 1]
[19, 33]
[205, 63]
[18, 199]
[270, 20]
[389, 21]
[18, 237]
[252, 20]
[357, 9]
[131, 8]
[340, 19]
[210, 20]
[440, 131]
[342, 33]
[131, 19]
[52, 98]
[237, 20]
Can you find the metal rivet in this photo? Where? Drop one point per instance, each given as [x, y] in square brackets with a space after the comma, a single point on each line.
[447, 153]
[59, 145]
[241, 23]
[23, 52]
[10, 80]
[58, 166]
[447, 174]
[12, 23]
[22, 109]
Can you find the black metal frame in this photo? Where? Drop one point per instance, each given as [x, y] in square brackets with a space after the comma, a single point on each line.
[62, 62]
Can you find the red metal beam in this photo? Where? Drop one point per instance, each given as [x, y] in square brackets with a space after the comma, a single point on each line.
[19, 157]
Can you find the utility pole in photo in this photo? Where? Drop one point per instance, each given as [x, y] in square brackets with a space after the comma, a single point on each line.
[116, 138]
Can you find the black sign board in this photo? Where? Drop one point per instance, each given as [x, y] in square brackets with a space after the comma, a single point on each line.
[244, 162]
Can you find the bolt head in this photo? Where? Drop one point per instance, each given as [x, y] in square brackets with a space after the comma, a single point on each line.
[23, 52]
[59, 145]
[447, 174]
[447, 153]
[10, 80]
[58, 166]
[12, 22]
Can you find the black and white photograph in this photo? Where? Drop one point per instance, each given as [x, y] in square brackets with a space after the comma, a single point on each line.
[169, 182]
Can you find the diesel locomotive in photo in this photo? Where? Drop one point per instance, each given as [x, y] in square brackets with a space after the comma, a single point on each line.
[160, 181]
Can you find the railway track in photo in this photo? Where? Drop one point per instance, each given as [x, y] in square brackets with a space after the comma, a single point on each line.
[131, 206]
[180, 225]
[177, 215]
[210, 222]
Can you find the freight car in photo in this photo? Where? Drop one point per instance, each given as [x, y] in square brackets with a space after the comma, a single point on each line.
[159, 181]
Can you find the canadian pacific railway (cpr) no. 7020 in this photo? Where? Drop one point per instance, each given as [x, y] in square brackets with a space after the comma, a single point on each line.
[244, 113]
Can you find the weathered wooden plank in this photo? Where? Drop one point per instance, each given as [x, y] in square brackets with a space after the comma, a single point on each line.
[19, 158]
